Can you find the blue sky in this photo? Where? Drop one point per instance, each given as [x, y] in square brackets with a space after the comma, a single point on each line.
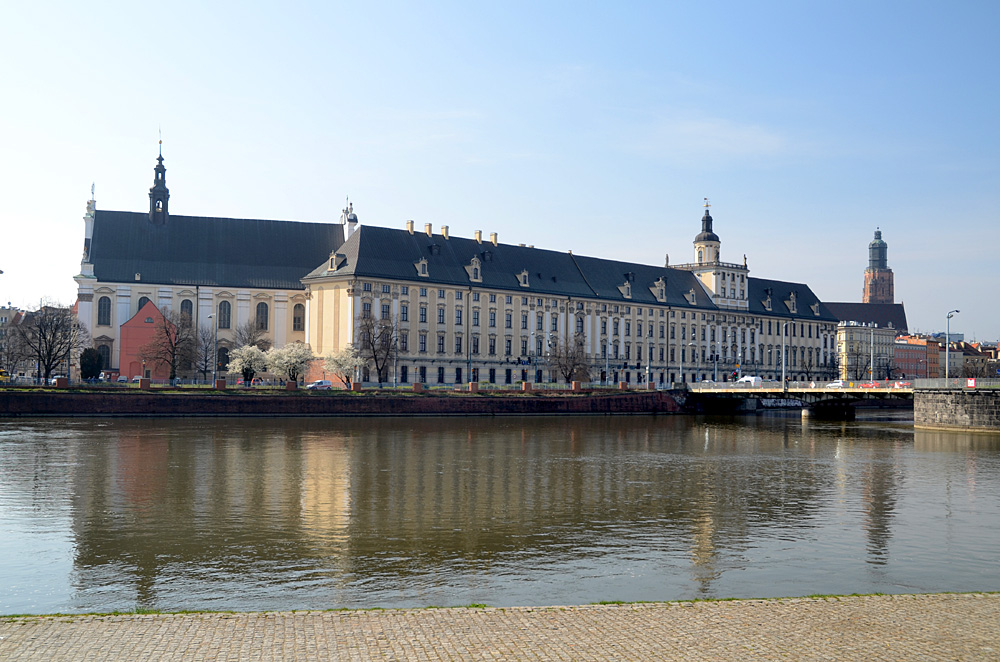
[596, 128]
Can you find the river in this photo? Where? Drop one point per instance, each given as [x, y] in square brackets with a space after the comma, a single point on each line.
[275, 514]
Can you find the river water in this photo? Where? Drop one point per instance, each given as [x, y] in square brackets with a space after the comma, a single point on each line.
[269, 514]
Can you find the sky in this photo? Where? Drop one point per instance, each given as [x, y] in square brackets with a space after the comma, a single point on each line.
[593, 127]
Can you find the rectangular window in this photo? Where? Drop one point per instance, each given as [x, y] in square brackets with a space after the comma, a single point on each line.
[458, 344]
[440, 315]
[507, 347]
[507, 321]
[423, 314]
[493, 298]
[404, 341]
[475, 296]
[555, 323]
[524, 320]
[441, 375]
[404, 374]
[458, 317]
[475, 318]
[493, 346]
[524, 301]
[493, 319]
[366, 287]
[423, 342]
[386, 289]
[458, 375]
[540, 322]
[404, 290]
[440, 344]
[423, 291]
[385, 311]
[475, 344]
[366, 310]
[440, 294]
[404, 313]
[509, 300]
[507, 376]
[604, 327]
[524, 346]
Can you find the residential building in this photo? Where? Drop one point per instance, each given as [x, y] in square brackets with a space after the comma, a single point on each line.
[866, 351]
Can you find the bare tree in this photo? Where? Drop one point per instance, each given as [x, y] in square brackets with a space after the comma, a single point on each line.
[204, 358]
[249, 334]
[569, 358]
[173, 344]
[377, 344]
[13, 351]
[51, 335]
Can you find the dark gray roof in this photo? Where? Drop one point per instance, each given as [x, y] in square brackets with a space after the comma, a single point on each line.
[196, 250]
[375, 252]
[882, 314]
[781, 291]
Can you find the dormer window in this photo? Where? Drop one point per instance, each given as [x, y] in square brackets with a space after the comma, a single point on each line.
[421, 267]
[523, 278]
[475, 270]
[626, 289]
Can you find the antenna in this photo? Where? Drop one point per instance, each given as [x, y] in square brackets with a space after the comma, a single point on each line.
[707, 203]
[91, 190]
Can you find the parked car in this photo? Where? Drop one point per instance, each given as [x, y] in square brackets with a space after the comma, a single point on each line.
[839, 383]
[122, 379]
[320, 385]
[750, 381]
[137, 379]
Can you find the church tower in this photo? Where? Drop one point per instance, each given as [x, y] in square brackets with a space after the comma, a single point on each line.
[159, 194]
[706, 244]
[878, 275]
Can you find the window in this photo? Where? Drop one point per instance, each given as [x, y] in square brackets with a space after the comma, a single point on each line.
[423, 342]
[366, 287]
[440, 294]
[423, 314]
[440, 315]
[458, 375]
[404, 342]
[386, 289]
[524, 321]
[541, 322]
[509, 300]
[187, 308]
[493, 318]
[262, 316]
[458, 317]
[604, 327]
[475, 344]
[579, 325]
[524, 346]
[441, 375]
[223, 357]
[404, 290]
[475, 318]
[458, 296]
[493, 298]
[366, 310]
[662, 330]
[507, 321]
[423, 291]
[385, 311]
[404, 374]
[628, 328]
[104, 311]
[555, 323]
[404, 313]
[299, 317]
[142, 302]
[475, 296]
[614, 327]
[507, 347]
[493, 346]
[458, 344]
[225, 314]
[440, 344]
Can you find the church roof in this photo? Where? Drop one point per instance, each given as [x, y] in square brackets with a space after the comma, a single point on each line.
[206, 251]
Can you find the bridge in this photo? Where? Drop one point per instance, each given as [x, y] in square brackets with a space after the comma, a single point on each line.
[822, 399]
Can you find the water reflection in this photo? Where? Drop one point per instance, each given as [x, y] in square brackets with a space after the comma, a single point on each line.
[268, 514]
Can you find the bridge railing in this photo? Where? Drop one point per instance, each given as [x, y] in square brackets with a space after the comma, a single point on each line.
[956, 383]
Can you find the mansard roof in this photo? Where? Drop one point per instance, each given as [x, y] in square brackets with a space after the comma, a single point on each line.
[206, 251]
[375, 252]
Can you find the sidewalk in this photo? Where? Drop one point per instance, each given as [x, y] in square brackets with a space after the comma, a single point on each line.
[892, 628]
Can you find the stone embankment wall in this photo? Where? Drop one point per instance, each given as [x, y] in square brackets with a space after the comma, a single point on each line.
[231, 403]
[971, 409]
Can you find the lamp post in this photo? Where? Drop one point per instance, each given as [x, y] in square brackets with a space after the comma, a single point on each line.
[784, 328]
[947, 341]
[215, 349]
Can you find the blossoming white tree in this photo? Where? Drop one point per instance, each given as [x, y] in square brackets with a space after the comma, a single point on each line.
[345, 363]
[248, 361]
[290, 361]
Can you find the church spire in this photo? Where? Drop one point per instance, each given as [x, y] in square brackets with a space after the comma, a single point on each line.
[159, 194]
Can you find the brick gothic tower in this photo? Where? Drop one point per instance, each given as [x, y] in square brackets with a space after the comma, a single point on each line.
[878, 275]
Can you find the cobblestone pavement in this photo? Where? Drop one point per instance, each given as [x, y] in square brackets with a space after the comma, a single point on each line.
[908, 627]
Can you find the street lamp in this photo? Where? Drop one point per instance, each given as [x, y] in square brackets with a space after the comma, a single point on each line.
[947, 341]
[215, 351]
[784, 328]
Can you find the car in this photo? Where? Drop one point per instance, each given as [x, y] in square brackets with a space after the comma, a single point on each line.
[870, 385]
[750, 381]
[122, 379]
[136, 379]
[839, 383]
[902, 385]
[320, 385]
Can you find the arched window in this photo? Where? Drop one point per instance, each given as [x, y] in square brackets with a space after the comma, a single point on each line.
[187, 308]
[225, 314]
[299, 317]
[262, 316]
[104, 311]
[104, 357]
[142, 302]
[223, 357]
[700, 256]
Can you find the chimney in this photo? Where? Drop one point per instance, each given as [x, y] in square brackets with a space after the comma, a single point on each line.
[428, 229]
[493, 238]
[409, 227]
[444, 231]
[479, 236]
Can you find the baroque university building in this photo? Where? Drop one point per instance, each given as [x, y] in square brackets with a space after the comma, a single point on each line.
[465, 309]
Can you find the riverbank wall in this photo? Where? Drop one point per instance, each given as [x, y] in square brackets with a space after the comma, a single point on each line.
[957, 409]
[134, 403]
